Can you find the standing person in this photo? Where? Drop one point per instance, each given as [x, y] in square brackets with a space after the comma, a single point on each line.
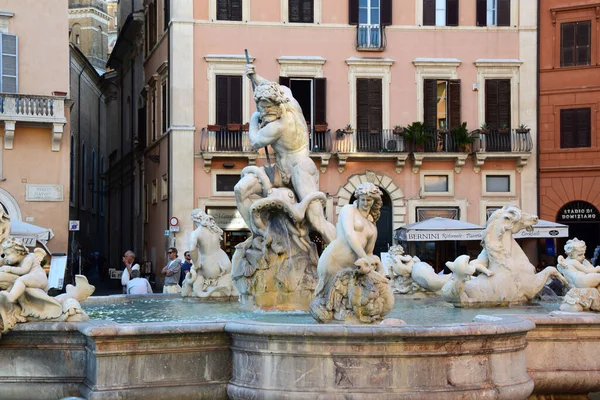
[138, 285]
[129, 261]
[185, 266]
[172, 272]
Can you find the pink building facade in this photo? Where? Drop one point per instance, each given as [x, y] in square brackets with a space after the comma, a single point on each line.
[373, 65]
[34, 115]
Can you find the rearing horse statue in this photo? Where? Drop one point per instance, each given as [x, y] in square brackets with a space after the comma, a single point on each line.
[512, 278]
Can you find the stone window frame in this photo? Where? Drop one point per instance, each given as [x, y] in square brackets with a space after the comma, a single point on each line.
[448, 173]
[164, 187]
[226, 64]
[485, 203]
[499, 69]
[557, 128]
[317, 16]
[301, 66]
[374, 68]
[512, 184]
[413, 204]
[575, 13]
[432, 68]
[154, 192]
[213, 181]
[212, 13]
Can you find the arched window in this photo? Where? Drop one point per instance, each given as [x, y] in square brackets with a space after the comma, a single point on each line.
[76, 34]
[94, 180]
[83, 188]
[72, 171]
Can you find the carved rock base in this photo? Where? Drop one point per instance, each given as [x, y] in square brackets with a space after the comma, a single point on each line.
[579, 299]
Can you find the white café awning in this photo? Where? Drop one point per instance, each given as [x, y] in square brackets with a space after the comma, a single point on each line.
[439, 229]
[544, 229]
[30, 233]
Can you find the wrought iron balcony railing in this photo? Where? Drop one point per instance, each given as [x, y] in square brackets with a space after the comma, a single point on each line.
[370, 37]
[370, 141]
[513, 140]
[321, 142]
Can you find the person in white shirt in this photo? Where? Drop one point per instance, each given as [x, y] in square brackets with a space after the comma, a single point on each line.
[128, 260]
[137, 285]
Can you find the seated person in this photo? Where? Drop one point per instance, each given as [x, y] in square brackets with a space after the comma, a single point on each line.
[137, 285]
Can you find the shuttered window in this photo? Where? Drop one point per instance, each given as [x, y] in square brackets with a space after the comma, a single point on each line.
[440, 12]
[9, 64]
[301, 11]
[575, 43]
[229, 100]
[575, 128]
[369, 104]
[229, 10]
[441, 103]
[493, 12]
[384, 6]
[497, 103]
[152, 16]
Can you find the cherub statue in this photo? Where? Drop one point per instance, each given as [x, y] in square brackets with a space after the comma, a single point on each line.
[578, 271]
[413, 275]
[24, 297]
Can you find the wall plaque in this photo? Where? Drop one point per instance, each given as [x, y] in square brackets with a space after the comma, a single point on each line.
[43, 192]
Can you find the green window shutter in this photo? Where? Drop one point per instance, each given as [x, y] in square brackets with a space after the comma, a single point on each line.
[9, 82]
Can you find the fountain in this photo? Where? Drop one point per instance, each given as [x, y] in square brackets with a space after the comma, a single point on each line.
[168, 347]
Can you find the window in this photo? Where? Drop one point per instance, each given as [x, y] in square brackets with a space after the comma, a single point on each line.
[164, 188]
[9, 50]
[225, 183]
[498, 183]
[72, 168]
[154, 191]
[146, 201]
[229, 99]
[77, 40]
[440, 12]
[229, 10]
[497, 103]
[151, 26]
[369, 34]
[493, 12]
[82, 183]
[441, 103]
[164, 108]
[575, 128]
[311, 95]
[153, 114]
[425, 213]
[301, 11]
[93, 179]
[166, 14]
[372, 11]
[369, 114]
[102, 185]
[575, 40]
[437, 183]
[489, 211]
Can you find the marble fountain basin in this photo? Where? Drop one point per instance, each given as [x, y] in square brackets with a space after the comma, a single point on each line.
[226, 353]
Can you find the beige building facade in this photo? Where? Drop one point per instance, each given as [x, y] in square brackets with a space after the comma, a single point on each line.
[373, 65]
[34, 116]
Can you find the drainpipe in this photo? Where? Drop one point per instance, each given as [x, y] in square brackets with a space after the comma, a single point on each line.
[133, 134]
[537, 142]
[76, 180]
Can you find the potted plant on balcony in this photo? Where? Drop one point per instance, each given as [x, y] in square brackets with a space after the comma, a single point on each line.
[522, 129]
[213, 128]
[503, 128]
[349, 129]
[234, 127]
[443, 129]
[484, 128]
[246, 127]
[319, 128]
[463, 138]
[418, 134]
[398, 129]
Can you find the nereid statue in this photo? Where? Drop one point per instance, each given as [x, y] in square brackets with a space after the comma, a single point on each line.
[411, 275]
[24, 285]
[276, 267]
[352, 283]
[508, 277]
[210, 276]
[582, 276]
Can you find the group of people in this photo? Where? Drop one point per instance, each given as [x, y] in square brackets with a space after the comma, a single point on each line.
[174, 271]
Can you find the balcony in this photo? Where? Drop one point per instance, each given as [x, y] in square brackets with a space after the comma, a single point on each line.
[370, 145]
[32, 109]
[515, 144]
[228, 141]
[370, 37]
